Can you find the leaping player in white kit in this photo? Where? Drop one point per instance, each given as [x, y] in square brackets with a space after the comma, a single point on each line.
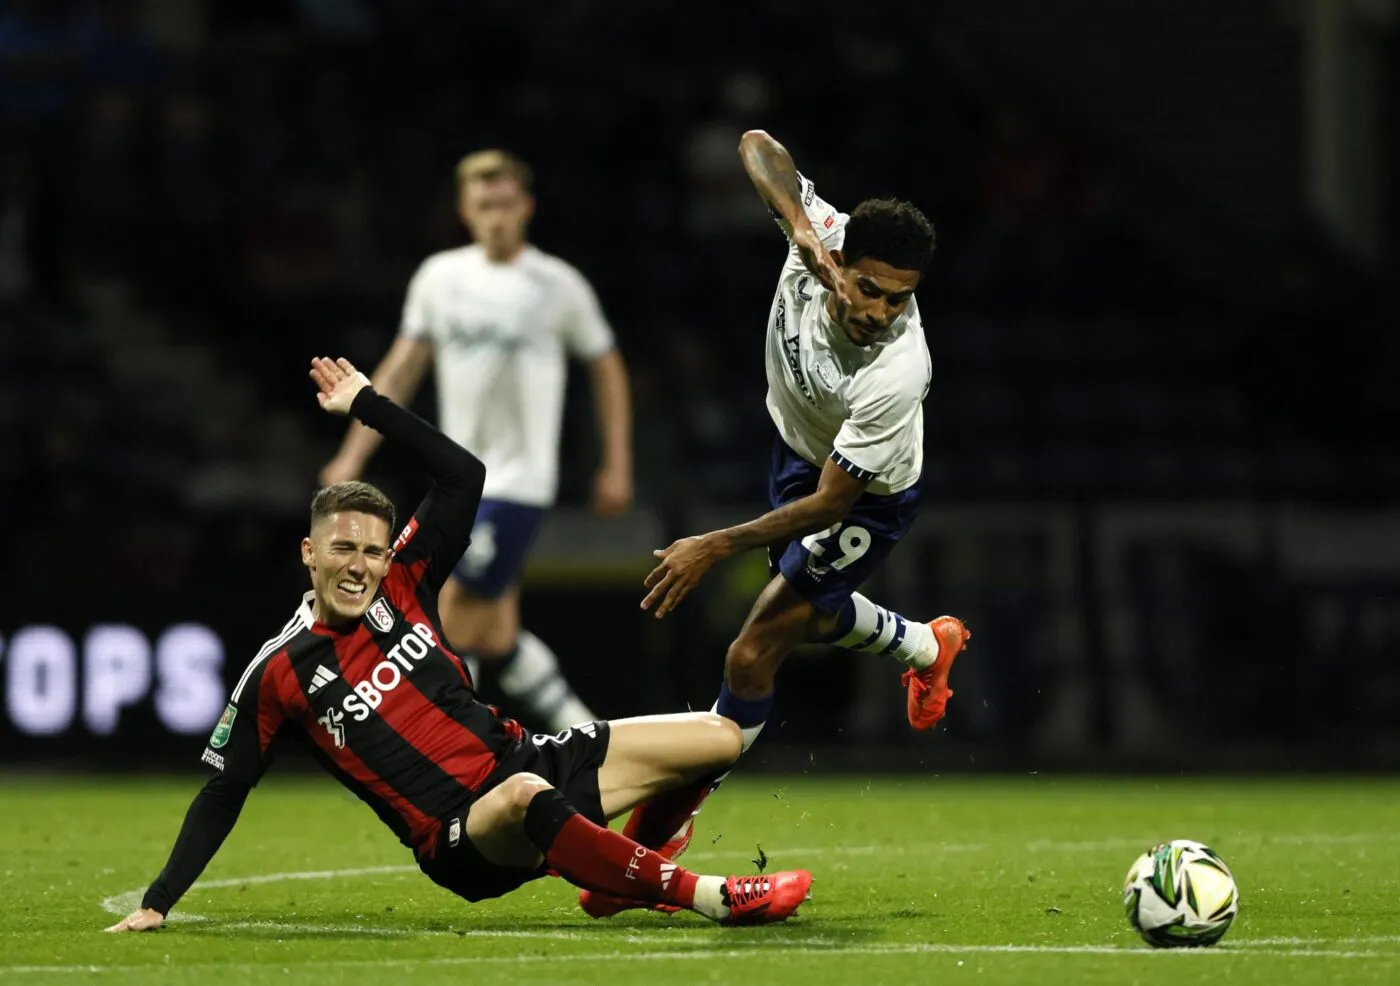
[497, 317]
[848, 370]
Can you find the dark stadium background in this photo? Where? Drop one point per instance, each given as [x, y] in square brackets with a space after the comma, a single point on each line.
[1161, 471]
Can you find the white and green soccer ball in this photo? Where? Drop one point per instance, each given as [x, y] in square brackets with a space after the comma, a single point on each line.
[1180, 894]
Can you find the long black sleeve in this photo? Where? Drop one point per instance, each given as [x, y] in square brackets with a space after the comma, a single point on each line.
[441, 528]
[210, 819]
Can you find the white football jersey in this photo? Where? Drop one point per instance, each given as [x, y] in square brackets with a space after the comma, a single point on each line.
[500, 333]
[828, 397]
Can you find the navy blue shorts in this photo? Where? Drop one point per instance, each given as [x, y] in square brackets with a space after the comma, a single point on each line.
[826, 567]
[501, 538]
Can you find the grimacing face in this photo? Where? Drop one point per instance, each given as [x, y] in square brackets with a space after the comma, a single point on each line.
[497, 212]
[879, 294]
[347, 554]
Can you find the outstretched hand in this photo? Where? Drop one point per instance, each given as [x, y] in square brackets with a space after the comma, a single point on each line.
[339, 382]
[682, 565]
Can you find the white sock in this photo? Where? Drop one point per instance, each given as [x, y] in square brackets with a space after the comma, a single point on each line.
[534, 680]
[750, 734]
[877, 630]
[709, 898]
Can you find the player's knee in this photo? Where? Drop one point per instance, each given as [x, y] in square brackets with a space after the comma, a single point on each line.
[741, 656]
[747, 665]
[725, 740]
[519, 790]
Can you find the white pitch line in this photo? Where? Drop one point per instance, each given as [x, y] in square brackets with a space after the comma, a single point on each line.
[835, 951]
[127, 901]
[710, 854]
[1275, 942]
[361, 929]
[303, 875]
[124, 903]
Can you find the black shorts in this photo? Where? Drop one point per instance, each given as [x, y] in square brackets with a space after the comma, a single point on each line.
[569, 761]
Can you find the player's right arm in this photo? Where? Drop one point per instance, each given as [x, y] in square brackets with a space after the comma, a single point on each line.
[789, 196]
[397, 377]
[440, 529]
[240, 749]
[208, 822]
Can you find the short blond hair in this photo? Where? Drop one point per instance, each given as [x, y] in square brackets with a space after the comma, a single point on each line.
[489, 165]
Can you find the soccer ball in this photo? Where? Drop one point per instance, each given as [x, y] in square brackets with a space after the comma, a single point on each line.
[1180, 894]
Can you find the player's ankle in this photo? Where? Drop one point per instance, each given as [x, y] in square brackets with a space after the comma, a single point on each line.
[925, 652]
[710, 899]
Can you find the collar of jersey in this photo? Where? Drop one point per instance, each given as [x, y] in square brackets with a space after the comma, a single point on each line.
[308, 607]
[520, 258]
[836, 334]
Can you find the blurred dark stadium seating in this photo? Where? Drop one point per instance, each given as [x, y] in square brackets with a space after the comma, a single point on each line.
[195, 201]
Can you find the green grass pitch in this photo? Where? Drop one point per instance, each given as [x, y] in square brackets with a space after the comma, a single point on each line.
[918, 880]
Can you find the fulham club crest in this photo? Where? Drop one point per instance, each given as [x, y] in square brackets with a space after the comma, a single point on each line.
[380, 615]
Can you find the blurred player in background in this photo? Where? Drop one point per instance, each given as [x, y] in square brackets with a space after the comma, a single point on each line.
[848, 369]
[498, 318]
[361, 677]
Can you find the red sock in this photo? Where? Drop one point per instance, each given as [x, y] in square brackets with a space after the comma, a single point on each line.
[653, 822]
[596, 858]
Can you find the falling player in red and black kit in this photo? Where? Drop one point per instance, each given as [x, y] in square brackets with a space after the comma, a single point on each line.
[360, 676]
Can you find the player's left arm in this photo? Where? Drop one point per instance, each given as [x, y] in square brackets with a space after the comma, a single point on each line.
[589, 337]
[239, 749]
[612, 402]
[211, 817]
[440, 529]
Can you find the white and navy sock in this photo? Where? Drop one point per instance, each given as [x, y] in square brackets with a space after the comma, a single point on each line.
[532, 679]
[749, 713]
[868, 628]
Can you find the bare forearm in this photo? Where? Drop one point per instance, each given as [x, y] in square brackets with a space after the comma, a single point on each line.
[612, 402]
[771, 169]
[791, 520]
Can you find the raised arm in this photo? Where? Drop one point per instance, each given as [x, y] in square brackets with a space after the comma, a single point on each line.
[773, 173]
[785, 192]
[397, 377]
[439, 531]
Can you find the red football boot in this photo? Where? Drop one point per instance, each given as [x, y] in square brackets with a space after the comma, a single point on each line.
[752, 899]
[928, 688]
[766, 899]
[597, 904]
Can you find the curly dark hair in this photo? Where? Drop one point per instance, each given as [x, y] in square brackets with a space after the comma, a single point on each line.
[360, 497]
[891, 231]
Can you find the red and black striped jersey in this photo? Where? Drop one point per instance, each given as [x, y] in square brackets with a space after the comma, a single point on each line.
[383, 704]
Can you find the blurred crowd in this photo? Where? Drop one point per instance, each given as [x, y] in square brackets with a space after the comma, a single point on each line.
[198, 195]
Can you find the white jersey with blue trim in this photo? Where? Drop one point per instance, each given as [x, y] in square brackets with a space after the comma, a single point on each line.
[861, 406]
[500, 334]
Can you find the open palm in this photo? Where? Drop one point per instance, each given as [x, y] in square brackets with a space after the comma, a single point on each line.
[339, 383]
